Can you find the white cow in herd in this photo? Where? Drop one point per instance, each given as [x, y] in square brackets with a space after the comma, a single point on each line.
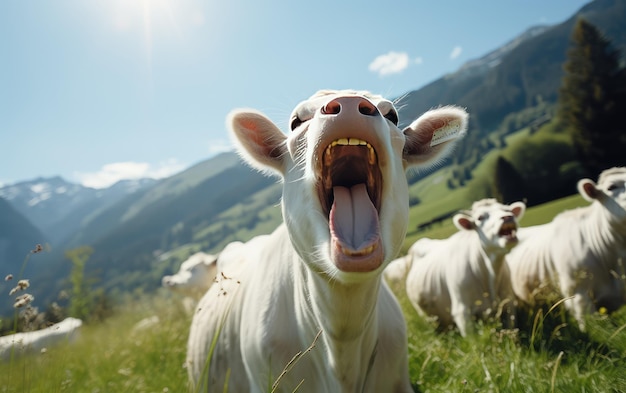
[200, 271]
[36, 341]
[578, 255]
[310, 312]
[455, 280]
[194, 277]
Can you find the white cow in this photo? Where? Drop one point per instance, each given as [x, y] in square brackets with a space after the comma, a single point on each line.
[194, 277]
[579, 254]
[36, 341]
[315, 285]
[196, 274]
[455, 279]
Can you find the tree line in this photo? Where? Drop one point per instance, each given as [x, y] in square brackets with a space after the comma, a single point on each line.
[592, 97]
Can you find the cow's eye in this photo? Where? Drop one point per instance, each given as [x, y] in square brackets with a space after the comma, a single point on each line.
[295, 122]
[612, 187]
[392, 116]
[483, 217]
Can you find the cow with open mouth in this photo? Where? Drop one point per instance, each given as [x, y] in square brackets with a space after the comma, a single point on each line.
[310, 311]
[458, 279]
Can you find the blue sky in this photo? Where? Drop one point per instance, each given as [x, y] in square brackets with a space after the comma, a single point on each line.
[100, 90]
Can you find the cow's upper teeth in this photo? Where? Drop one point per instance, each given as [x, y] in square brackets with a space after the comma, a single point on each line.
[371, 153]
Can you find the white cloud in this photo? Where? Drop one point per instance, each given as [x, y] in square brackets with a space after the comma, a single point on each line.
[456, 52]
[114, 172]
[390, 63]
[418, 60]
[219, 146]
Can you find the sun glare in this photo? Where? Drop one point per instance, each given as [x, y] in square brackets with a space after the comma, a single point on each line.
[155, 20]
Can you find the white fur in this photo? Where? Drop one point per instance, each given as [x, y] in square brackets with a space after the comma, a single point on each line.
[578, 255]
[33, 342]
[291, 288]
[194, 277]
[455, 279]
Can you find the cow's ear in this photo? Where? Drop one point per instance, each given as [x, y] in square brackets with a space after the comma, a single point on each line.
[463, 222]
[518, 209]
[259, 141]
[587, 188]
[211, 259]
[430, 137]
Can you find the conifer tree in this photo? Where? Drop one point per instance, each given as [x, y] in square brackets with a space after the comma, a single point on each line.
[508, 184]
[591, 98]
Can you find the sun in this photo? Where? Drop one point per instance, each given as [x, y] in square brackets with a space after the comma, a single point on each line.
[154, 21]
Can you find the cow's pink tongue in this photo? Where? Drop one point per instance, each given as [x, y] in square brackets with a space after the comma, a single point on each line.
[355, 229]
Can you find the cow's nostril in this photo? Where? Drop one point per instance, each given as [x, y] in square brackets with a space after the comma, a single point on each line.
[332, 108]
[367, 108]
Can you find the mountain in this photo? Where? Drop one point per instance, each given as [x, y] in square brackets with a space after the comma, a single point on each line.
[204, 205]
[58, 208]
[18, 237]
[492, 59]
[526, 73]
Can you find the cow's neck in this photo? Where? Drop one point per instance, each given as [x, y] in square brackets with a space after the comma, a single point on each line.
[347, 316]
[491, 262]
[485, 263]
[604, 234]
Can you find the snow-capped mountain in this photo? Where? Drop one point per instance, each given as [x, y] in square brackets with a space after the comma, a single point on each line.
[493, 58]
[58, 207]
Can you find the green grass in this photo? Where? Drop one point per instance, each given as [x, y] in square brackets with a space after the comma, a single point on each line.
[110, 357]
[551, 356]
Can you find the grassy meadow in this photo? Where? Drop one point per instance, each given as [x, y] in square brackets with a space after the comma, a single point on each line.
[546, 354]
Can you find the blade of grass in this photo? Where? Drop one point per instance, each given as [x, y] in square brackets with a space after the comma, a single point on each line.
[293, 362]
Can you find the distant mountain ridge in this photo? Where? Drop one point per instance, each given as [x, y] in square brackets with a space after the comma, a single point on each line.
[492, 59]
[524, 73]
[58, 207]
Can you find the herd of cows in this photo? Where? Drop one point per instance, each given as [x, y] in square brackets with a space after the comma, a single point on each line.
[308, 307]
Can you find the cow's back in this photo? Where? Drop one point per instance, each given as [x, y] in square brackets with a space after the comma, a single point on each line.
[217, 318]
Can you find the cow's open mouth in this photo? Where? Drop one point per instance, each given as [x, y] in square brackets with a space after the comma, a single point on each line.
[349, 190]
[347, 162]
[508, 230]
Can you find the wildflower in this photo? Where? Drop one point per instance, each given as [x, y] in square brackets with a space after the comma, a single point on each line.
[23, 300]
[38, 249]
[602, 310]
[23, 284]
[9, 277]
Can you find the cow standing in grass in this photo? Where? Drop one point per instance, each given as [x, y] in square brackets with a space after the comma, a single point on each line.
[455, 280]
[578, 256]
[194, 277]
[316, 282]
[39, 340]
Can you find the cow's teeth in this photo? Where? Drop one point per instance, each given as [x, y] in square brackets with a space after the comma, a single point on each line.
[328, 157]
[365, 251]
[371, 153]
